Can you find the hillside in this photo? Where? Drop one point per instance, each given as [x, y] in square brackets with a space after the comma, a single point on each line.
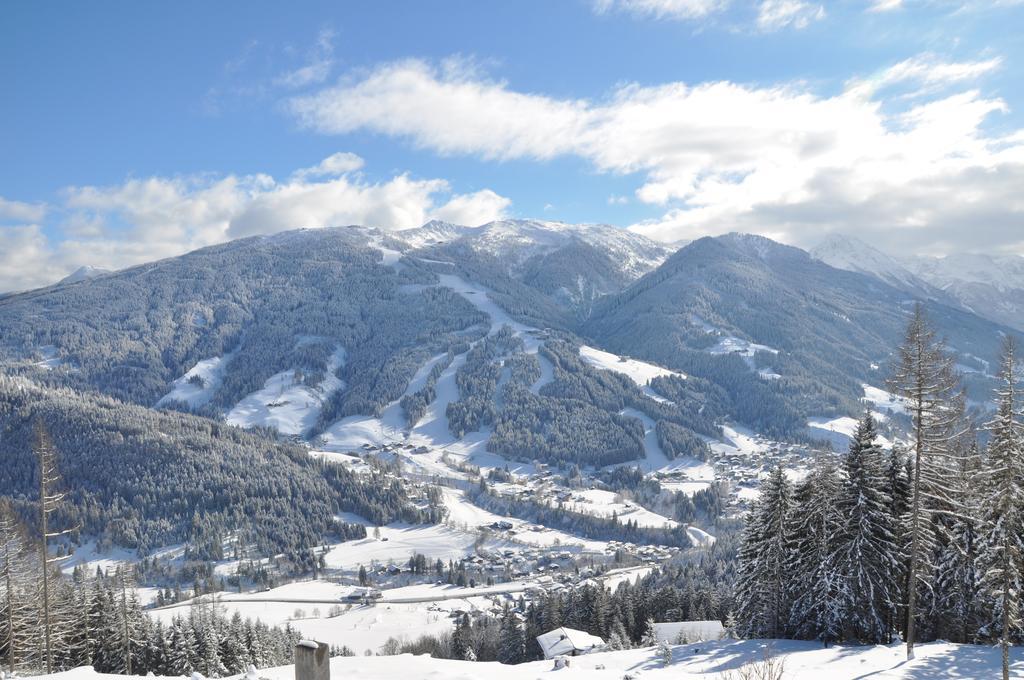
[709, 660]
[736, 308]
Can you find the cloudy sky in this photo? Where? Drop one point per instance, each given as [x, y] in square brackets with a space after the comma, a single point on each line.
[132, 131]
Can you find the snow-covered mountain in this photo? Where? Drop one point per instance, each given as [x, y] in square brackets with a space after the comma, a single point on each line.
[83, 273]
[854, 255]
[517, 241]
[987, 285]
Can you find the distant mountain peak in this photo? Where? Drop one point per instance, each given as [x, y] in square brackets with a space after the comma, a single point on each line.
[83, 273]
[843, 251]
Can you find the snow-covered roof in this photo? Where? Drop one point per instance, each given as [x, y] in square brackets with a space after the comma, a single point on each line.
[567, 641]
[692, 631]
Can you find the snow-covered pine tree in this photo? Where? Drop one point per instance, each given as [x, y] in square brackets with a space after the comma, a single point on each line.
[925, 378]
[956, 577]
[866, 553]
[761, 578]
[898, 474]
[1001, 562]
[183, 648]
[512, 645]
[814, 579]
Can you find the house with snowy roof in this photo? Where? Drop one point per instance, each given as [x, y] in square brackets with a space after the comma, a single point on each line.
[568, 642]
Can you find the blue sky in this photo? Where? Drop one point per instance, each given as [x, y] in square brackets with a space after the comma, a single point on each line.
[133, 131]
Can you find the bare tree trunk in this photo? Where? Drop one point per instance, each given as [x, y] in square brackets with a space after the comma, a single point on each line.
[127, 631]
[1005, 641]
[45, 557]
[914, 527]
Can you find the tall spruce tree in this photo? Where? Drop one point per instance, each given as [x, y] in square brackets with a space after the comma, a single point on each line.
[1001, 563]
[956, 576]
[867, 554]
[761, 590]
[925, 378]
[898, 474]
[814, 581]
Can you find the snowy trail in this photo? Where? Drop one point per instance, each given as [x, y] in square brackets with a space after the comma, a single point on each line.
[654, 456]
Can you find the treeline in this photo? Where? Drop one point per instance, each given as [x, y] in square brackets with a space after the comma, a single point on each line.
[180, 478]
[706, 505]
[477, 380]
[415, 405]
[98, 621]
[700, 590]
[132, 333]
[925, 546]
[580, 524]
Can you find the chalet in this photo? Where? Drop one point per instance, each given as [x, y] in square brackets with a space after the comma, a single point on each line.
[568, 642]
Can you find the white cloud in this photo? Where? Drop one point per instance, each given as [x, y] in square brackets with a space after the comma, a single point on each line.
[17, 211]
[926, 73]
[25, 258]
[884, 5]
[663, 9]
[142, 220]
[781, 160]
[447, 109]
[773, 15]
[334, 165]
[474, 209]
[320, 61]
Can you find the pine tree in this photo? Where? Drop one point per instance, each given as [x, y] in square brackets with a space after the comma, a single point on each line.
[814, 577]
[898, 475]
[183, 651]
[924, 376]
[761, 588]
[867, 554]
[512, 647]
[1001, 563]
[956, 577]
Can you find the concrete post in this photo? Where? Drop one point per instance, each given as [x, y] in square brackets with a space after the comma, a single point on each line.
[312, 661]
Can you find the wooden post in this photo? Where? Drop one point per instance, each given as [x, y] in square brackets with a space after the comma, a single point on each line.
[312, 660]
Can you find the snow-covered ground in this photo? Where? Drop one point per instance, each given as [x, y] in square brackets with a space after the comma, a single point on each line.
[286, 404]
[210, 373]
[655, 459]
[601, 503]
[882, 400]
[709, 660]
[398, 542]
[463, 514]
[640, 372]
[48, 359]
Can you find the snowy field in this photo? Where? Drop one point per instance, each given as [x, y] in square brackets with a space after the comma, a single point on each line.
[639, 372]
[462, 513]
[600, 503]
[285, 403]
[210, 374]
[709, 660]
